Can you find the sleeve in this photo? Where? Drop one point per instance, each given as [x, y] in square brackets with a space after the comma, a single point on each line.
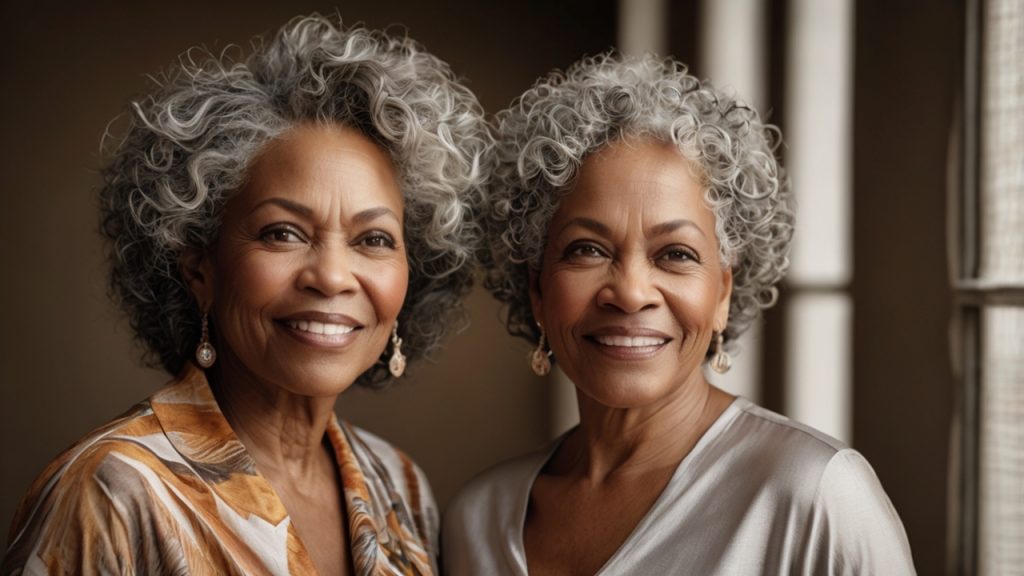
[73, 528]
[854, 527]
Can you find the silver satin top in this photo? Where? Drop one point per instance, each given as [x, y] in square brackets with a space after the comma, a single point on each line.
[759, 494]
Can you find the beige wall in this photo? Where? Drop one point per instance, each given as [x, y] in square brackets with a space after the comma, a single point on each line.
[66, 360]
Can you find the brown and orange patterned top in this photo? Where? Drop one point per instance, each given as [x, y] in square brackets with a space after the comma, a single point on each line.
[169, 489]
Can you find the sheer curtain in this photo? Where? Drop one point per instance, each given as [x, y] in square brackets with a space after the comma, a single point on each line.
[990, 283]
[1001, 267]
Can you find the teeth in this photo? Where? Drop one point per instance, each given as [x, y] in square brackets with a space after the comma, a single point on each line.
[630, 341]
[320, 327]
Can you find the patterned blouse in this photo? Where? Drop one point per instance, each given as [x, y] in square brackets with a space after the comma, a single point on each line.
[169, 489]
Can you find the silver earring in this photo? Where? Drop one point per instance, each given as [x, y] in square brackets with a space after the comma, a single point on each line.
[397, 363]
[720, 361]
[205, 354]
[539, 361]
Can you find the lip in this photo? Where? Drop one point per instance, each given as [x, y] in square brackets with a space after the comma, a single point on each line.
[628, 342]
[321, 329]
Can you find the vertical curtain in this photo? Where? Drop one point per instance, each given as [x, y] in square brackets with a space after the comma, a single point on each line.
[1001, 398]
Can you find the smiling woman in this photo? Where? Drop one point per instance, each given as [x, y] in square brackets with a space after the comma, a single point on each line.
[309, 271]
[639, 222]
[279, 229]
[633, 238]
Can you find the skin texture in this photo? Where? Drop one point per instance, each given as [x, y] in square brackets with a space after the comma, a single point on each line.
[314, 235]
[631, 254]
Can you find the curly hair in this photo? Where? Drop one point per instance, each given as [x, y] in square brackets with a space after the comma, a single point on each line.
[544, 137]
[188, 145]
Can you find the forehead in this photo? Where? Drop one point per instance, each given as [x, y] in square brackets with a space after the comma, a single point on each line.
[317, 161]
[638, 159]
[645, 175]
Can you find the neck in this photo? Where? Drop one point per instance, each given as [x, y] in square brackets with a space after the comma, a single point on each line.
[283, 431]
[628, 442]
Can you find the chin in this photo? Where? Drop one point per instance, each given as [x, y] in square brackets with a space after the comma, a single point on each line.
[319, 381]
[630, 387]
[623, 394]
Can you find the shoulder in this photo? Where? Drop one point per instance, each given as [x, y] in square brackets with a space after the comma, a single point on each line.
[498, 487]
[134, 435]
[850, 523]
[83, 500]
[854, 528]
[486, 516]
[764, 452]
[788, 434]
[492, 498]
[776, 450]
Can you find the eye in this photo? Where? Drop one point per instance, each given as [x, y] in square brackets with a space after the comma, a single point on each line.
[282, 234]
[584, 250]
[678, 254]
[377, 239]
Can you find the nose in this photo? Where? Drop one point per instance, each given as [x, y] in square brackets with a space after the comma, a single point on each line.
[328, 270]
[630, 287]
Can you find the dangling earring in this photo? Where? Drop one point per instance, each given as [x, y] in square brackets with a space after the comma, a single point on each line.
[205, 354]
[397, 363]
[539, 361]
[720, 361]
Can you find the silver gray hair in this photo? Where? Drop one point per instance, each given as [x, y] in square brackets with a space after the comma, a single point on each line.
[549, 131]
[188, 145]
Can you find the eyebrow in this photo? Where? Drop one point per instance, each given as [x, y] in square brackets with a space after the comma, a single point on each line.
[672, 226]
[589, 224]
[362, 217]
[289, 205]
[656, 230]
[371, 214]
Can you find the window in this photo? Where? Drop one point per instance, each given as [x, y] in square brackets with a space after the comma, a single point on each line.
[989, 281]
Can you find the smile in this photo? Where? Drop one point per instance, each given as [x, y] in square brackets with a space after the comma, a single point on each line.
[630, 341]
[324, 328]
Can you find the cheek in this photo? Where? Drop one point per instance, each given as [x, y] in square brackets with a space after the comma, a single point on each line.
[386, 287]
[254, 281]
[565, 299]
[247, 287]
[693, 303]
[564, 294]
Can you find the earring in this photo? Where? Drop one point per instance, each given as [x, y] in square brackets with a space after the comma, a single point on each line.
[397, 363]
[539, 361]
[205, 354]
[720, 361]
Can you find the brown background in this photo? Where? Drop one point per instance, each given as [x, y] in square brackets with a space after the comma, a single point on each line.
[67, 363]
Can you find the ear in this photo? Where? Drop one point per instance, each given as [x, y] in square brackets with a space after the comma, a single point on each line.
[197, 271]
[536, 298]
[725, 296]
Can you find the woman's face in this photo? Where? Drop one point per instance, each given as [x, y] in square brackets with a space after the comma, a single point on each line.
[309, 271]
[631, 285]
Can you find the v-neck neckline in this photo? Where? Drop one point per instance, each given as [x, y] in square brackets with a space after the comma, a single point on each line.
[675, 483]
[188, 410]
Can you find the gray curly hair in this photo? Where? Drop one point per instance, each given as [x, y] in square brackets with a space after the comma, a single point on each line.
[189, 143]
[548, 132]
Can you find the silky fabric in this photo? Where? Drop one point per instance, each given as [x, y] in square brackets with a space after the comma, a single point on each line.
[168, 488]
[758, 494]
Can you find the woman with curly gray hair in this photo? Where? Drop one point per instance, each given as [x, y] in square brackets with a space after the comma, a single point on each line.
[279, 228]
[639, 222]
